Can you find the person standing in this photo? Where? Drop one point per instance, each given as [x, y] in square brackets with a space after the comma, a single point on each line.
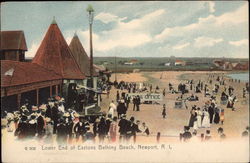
[164, 111]
[113, 130]
[40, 125]
[55, 117]
[102, 130]
[134, 102]
[206, 119]
[108, 123]
[123, 107]
[117, 96]
[119, 110]
[192, 117]
[32, 126]
[211, 113]
[95, 126]
[217, 115]
[138, 103]
[79, 129]
[122, 128]
[69, 127]
[199, 117]
[61, 132]
[127, 100]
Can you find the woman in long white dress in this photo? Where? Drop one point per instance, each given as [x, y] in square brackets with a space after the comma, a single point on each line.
[199, 114]
[206, 119]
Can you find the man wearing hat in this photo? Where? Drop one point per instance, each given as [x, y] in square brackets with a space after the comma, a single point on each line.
[80, 129]
[138, 103]
[55, 116]
[123, 107]
[32, 125]
[122, 127]
[40, 124]
[69, 125]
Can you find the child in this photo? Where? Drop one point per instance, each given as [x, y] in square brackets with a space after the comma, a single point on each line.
[164, 111]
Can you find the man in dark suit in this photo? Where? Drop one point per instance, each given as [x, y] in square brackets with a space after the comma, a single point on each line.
[55, 117]
[211, 113]
[80, 129]
[138, 103]
[40, 124]
[122, 127]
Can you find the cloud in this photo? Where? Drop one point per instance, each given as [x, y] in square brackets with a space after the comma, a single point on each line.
[206, 41]
[181, 46]
[243, 42]
[68, 39]
[107, 17]
[131, 34]
[32, 51]
[211, 6]
[238, 16]
[211, 23]
[128, 41]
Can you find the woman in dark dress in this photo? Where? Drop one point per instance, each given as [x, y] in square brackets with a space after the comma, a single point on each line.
[102, 129]
[192, 117]
[217, 115]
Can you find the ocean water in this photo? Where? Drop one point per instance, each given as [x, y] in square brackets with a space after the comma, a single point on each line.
[240, 76]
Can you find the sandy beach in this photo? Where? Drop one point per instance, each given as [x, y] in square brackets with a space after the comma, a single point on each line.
[170, 128]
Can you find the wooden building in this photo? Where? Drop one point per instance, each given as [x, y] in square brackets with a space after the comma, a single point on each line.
[54, 54]
[83, 61]
[13, 45]
[50, 72]
[21, 81]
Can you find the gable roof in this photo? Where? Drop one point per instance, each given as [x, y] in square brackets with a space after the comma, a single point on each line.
[18, 73]
[54, 54]
[81, 56]
[12, 40]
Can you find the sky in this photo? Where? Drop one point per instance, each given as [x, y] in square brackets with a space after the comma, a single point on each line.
[138, 29]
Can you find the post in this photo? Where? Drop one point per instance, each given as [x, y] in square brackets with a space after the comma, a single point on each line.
[91, 55]
[57, 90]
[50, 91]
[19, 100]
[37, 97]
[98, 99]
[90, 11]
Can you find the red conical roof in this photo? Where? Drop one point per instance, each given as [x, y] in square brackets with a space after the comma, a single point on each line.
[81, 56]
[54, 54]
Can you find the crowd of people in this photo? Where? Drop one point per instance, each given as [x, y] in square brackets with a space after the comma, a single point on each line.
[67, 125]
[54, 119]
[211, 112]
